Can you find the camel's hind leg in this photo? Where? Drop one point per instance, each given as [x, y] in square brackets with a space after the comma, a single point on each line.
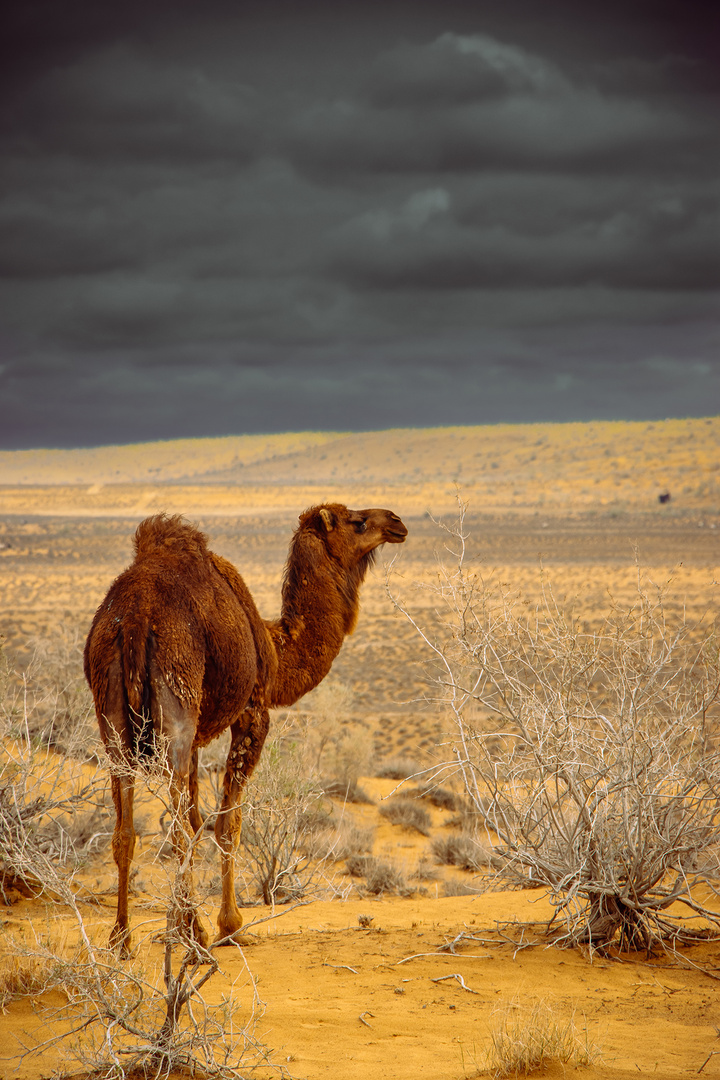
[113, 728]
[194, 815]
[248, 737]
[123, 845]
[177, 724]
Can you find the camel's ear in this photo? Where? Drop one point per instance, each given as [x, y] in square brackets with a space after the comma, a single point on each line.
[327, 518]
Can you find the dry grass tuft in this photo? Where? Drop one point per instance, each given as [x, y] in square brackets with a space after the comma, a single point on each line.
[350, 792]
[528, 1039]
[21, 975]
[397, 769]
[408, 814]
[461, 851]
[380, 877]
[352, 840]
[459, 888]
[441, 797]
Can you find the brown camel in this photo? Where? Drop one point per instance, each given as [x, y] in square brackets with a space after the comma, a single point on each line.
[177, 649]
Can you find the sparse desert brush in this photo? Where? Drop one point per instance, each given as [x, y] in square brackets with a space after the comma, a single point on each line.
[408, 814]
[127, 1018]
[347, 793]
[441, 797]
[339, 746]
[351, 840]
[357, 863]
[383, 877]
[526, 1040]
[50, 697]
[21, 975]
[281, 802]
[397, 769]
[52, 808]
[590, 753]
[460, 850]
[425, 870]
[453, 887]
[380, 876]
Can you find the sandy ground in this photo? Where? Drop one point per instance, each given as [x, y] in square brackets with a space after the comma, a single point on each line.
[342, 999]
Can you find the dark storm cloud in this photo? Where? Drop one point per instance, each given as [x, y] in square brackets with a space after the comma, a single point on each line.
[644, 240]
[470, 103]
[122, 103]
[455, 70]
[222, 218]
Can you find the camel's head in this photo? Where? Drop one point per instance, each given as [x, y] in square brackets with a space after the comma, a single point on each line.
[352, 535]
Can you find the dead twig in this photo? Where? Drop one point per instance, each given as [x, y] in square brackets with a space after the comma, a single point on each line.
[459, 979]
[458, 956]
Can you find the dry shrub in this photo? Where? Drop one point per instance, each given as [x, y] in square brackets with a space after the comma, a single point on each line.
[339, 789]
[380, 876]
[397, 769]
[280, 808]
[425, 870]
[461, 851]
[51, 699]
[408, 814]
[441, 797]
[52, 810]
[383, 877]
[21, 975]
[351, 839]
[526, 1040]
[339, 746]
[128, 1015]
[125, 1017]
[453, 887]
[589, 753]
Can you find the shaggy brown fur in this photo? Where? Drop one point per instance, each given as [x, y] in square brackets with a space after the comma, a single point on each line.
[178, 649]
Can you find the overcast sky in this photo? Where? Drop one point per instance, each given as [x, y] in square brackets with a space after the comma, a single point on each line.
[220, 217]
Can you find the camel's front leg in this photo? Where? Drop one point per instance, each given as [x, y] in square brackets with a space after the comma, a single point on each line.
[248, 737]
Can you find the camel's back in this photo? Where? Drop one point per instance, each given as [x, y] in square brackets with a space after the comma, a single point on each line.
[169, 537]
[175, 602]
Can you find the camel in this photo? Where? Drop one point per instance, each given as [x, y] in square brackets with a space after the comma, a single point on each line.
[178, 652]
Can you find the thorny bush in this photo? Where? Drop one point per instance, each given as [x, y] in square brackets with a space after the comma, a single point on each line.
[589, 754]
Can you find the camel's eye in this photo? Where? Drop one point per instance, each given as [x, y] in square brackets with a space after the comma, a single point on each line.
[361, 526]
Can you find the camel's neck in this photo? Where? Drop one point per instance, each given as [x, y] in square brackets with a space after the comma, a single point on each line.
[320, 606]
[304, 658]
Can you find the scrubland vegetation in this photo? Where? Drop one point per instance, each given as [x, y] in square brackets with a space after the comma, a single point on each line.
[510, 783]
[589, 756]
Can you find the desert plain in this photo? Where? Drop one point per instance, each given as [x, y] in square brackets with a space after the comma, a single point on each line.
[355, 983]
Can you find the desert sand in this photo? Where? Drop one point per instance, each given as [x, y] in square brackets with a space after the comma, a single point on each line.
[578, 503]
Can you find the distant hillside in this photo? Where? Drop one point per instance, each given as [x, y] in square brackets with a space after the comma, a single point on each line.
[505, 467]
[159, 462]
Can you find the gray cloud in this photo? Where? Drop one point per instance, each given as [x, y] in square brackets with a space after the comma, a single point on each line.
[561, 235]
[209, 390]
[255, 220]
[121, 103]
[469, 103]
[455, 69]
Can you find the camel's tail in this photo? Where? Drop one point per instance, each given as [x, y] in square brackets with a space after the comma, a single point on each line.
[135, 658]
[117, 668]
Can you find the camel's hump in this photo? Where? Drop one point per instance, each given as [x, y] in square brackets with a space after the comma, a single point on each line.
[168, 532]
